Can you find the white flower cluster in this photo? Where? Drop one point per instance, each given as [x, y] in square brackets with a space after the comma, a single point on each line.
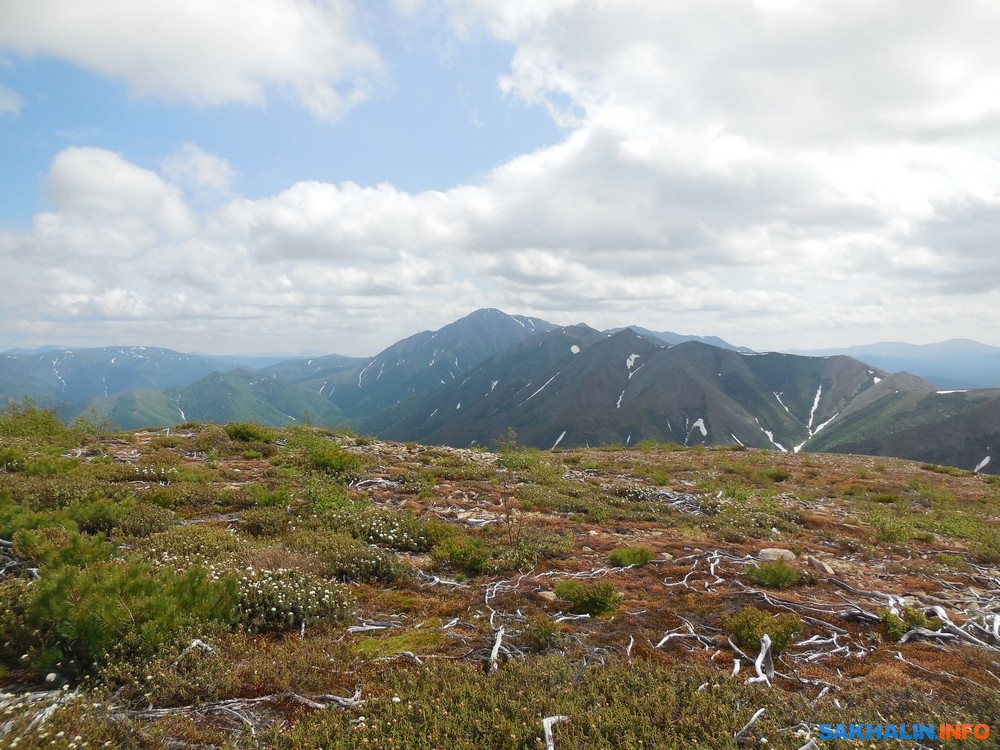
[284, 599]
[403, 533]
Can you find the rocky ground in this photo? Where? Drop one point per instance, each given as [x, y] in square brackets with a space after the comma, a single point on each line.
[538, 583]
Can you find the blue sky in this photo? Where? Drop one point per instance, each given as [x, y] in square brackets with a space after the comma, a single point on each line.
[436, 118]
[280, 175]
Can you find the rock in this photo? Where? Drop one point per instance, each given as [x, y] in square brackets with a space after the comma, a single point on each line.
[776, 553]
[586, 549]
[549, 596]
[666, 556]
[820, 565]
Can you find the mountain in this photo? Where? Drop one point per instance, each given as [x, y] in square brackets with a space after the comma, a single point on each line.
[957, 363]
[906, 417]
[575, 386]
[415, 365]
[77, 376]
[473, 379]
[669, 337]
[235, 396]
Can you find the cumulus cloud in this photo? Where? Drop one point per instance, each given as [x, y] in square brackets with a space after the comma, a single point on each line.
[207, 53]
[778, 173]
[200, 172]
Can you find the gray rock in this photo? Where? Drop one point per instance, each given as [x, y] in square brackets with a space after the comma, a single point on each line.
[776, 553]
[820, 565]
[666, 556]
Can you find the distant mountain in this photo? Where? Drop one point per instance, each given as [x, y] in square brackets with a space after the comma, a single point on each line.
[669, 337]
[575, 386]
[473, 379]
[957, 363]
[904, 416]
[77, 376]
[235, 396]
[414, 365]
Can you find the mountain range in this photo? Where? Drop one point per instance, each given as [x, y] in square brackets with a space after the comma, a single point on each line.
[555, 386]
[957, 363]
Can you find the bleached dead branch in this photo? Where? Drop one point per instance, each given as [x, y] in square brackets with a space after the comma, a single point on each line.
[432, 580]
[763, 665]
[738, 736]
[494, 654]
[547, 723]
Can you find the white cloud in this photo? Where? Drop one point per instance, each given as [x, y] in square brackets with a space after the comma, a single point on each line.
[777, 173]
[207, 53]
[198, 170]
[10, 101]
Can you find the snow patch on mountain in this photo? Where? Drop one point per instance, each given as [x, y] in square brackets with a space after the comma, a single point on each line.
[778, 396]
[558, 439]
[574, 349]
[770, 437]
[812, 412]
[981, 465]
[540, 389]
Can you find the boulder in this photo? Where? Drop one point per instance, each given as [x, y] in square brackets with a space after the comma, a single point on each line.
[820, 565]
[776, 553]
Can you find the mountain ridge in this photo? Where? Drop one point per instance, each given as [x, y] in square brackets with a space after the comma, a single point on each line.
[474, 379]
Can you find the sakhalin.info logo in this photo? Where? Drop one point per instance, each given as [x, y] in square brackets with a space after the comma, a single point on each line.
[904, 731]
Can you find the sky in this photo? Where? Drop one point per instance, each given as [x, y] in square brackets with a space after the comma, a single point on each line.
[261, 176]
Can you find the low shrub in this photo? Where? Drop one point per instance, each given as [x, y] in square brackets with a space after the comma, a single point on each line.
[531, 546]
[625, 556]
[593, 598]
[775, 574]
[265, 522]
[17, 633]
[119, 610]
[541, 633]
[53, 546]
[348, 559]
[11, 459]
[145, 520]
[747, 626]
[277, 600]
[181, 547]
[465, 554]
[895, 627]
[399, 530]
[329, 459]
[249, 432]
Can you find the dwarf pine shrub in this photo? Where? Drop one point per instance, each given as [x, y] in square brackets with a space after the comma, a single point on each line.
[593, 598]
[54, 546]
[122, 610]
[776, 574]
[625, 556]
[747, 626]
[464, 554]
[248, 432]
